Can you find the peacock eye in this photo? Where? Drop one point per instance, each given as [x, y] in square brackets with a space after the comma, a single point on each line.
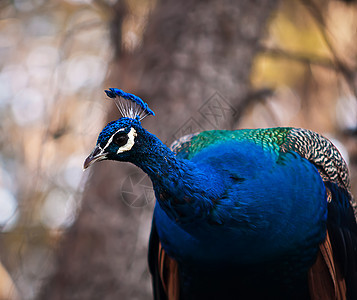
[120, 138]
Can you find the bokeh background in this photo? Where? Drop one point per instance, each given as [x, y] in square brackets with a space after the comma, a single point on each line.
[200, 65]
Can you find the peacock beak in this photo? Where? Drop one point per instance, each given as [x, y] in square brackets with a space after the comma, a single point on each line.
[96, 155]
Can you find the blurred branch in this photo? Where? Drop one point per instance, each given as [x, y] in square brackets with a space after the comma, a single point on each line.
[253, 97]
[116, 12]
[316, 13]
[116, 35]
[300, 57]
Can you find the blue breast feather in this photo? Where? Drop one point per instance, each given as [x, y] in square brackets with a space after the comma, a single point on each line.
[267, 205]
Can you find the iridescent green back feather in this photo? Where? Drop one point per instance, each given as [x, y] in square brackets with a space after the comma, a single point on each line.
[269, 139]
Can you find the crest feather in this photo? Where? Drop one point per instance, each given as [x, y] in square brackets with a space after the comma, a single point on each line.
[129, 105]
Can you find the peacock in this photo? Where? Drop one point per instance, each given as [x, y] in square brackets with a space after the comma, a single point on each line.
[243, 214]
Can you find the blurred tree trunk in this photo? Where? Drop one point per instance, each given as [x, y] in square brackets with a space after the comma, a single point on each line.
[192, 68]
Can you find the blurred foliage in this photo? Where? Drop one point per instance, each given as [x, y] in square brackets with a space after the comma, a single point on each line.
[54, 58]
[300, 58]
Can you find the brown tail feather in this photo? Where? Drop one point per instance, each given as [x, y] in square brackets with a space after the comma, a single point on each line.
[325, 279]
[169, 275]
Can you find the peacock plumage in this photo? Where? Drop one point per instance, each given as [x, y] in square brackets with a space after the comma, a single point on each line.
[245, 214]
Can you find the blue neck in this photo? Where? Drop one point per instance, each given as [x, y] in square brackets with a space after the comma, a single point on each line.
[184, 189]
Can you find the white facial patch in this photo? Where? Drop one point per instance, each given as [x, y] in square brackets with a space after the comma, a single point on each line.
[130, 143]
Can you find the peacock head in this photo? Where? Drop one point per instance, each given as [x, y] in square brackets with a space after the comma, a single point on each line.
[117, 140]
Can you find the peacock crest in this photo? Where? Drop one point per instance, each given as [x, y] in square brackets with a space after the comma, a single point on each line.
[129, 105]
